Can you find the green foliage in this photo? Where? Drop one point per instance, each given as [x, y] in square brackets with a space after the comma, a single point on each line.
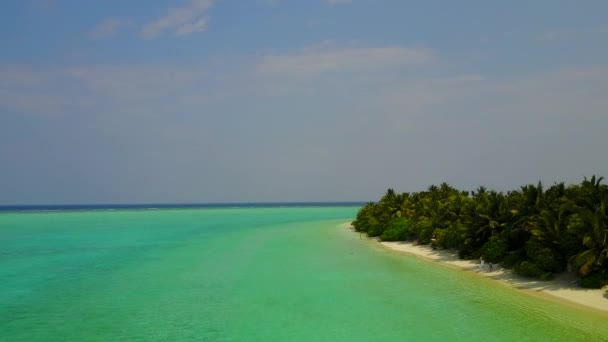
[466, 254]
[397, 229]
[528, 269]
[364, 216]
[425, 236]
[594, 281]
[423, 230]
[494, 250]
[543, 257]
[513, 258]
[592, 225]
[534, 229]
[547, 276]
[375, 228]
[450, 237]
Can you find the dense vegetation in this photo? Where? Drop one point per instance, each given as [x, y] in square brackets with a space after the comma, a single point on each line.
[536, 232]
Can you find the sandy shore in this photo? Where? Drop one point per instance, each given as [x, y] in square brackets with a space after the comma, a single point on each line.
[563, 287]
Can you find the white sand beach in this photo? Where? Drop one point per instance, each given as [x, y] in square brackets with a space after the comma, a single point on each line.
[562, 288]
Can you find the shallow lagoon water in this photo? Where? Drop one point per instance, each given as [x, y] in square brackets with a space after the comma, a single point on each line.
[248, 274]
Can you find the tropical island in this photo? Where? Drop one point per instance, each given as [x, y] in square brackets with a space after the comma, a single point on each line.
[535, 232]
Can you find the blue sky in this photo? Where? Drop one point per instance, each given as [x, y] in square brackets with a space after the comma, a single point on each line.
[277, 100]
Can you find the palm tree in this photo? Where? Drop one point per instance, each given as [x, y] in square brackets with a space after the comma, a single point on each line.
[593, 224]
[590, 192]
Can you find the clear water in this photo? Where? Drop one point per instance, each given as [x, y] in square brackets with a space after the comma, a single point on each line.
[255, 274]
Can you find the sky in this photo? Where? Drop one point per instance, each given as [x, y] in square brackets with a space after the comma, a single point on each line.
[198, 101]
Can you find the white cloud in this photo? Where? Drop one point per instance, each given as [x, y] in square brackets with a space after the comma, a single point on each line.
[375, 80]
[108, 27]
[94, 89]
[183, 20]
[197, 26]
[330, 58]
[214, 117]
[154, 88]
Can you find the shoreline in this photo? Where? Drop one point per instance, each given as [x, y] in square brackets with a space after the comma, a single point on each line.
[563, 288]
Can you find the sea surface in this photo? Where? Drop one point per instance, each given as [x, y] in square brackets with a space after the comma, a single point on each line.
[269, 273]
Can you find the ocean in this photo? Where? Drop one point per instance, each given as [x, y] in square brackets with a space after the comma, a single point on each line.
[252, 273]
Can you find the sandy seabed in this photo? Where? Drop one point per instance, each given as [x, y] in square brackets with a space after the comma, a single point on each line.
[563, 288]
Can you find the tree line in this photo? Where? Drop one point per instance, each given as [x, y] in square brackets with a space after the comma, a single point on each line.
[535, 232]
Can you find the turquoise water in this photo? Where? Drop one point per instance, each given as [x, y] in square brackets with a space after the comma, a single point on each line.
[257, 274]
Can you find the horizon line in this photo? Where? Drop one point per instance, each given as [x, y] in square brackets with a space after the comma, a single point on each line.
[6, 207]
